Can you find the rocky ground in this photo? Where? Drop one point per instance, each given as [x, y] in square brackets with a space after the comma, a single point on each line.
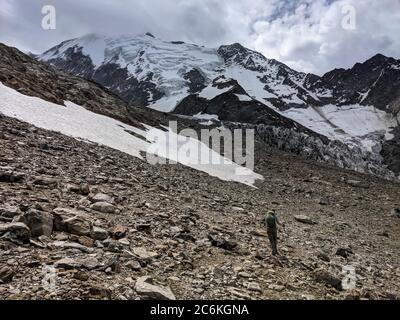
[81, 221]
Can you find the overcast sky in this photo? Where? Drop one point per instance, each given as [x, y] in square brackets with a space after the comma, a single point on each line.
[308, 35]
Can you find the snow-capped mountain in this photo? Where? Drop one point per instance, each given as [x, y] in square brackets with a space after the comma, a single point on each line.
[358, 107]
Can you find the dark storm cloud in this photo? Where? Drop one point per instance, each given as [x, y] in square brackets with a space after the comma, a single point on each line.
[305, 34]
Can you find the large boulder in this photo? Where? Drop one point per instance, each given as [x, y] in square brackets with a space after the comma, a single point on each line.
[72, 221]
[16, 232]
[145, 287]
[39, 222]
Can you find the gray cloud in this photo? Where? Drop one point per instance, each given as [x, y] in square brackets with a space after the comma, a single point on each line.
[305, 34]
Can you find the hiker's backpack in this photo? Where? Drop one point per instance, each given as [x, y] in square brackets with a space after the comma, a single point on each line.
[270, 220]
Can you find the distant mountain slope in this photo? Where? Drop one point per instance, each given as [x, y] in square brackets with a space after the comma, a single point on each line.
[358, 107]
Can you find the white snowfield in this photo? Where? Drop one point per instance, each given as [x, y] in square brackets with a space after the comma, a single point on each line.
[168, 62]
[365, 126]
[75, 121]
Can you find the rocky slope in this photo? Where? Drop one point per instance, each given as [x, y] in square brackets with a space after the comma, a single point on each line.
[357, 107]
[81, 221]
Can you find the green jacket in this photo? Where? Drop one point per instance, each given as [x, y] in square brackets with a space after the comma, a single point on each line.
[270, 220]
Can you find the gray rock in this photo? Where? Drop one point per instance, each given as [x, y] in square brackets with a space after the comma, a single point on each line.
[223, 243]
[133, 265]
[71, 245]
[67, 263]
[144, 255]
[72, 221]
[7, 174]
[9, 211]
[145, 287]
[16, 232]
[396, 212]
[6, 274]
[344, 252]
[304, 219]
[322, 276]
[254, 286]
[119, 232]
[103, 207]
[358, 184]
[101, 197]
[99, 233]
[45, 181]
[39, 222]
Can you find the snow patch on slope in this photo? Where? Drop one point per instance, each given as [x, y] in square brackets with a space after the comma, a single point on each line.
[357, 124]
[75, 121]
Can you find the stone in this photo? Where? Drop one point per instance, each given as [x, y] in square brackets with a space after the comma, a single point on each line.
[16, 232]
[223, 243]
[8, 211]
[396, 212]
[45, 181]
[98, 233]
[8, 175]
[146, 287]
[276, 287]
[103, 207]
[71, 245]
[323, 201]
[6, 274]
[322, 276]
[239, 293]
[119, 232]
[133, 265]
[100, 292]
[323, 256]
[86, 241]
[81, 276]
[254, 286]
[67, 263]
[358, 184]
[90, 263]
[84, 189]
[304, 219]
[40, 223]
[101, 197]
[72, 221]
[144, 255]
[344, 252]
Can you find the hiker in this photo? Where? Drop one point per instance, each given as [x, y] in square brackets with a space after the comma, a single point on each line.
[271, 222]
